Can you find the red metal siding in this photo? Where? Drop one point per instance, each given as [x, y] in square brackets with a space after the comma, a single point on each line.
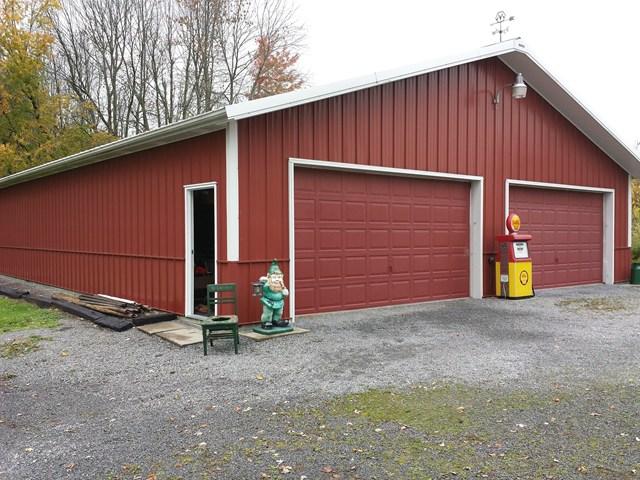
[567, 234]
[115, 227]
[442, 121]
[370, 240]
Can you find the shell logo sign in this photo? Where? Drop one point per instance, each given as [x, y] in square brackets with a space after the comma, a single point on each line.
[513, 223]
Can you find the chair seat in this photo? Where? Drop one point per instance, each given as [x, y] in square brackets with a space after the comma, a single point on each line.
[221, 320]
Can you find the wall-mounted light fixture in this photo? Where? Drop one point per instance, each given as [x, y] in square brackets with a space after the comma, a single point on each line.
[518, 90]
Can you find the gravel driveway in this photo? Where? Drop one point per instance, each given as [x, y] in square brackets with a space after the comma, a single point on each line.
[97, 404]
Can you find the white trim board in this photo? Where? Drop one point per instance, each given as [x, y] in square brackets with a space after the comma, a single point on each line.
[476, 209]
[188, 242]
[608, 217]
[629, 211]
[233, 193]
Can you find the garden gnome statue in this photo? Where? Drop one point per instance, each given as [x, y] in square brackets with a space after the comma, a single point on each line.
[273, 295]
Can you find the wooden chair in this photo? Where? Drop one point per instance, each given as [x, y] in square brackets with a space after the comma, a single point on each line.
[221, 326]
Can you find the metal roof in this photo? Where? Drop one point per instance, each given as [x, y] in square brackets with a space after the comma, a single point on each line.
[512, 53]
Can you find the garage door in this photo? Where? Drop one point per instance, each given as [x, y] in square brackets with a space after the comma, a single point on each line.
[567, 234]
[364, 240]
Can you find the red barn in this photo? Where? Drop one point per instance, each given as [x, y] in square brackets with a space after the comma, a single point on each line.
[383, 190]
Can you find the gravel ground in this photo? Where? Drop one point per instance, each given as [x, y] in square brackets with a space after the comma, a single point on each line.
[119, 405]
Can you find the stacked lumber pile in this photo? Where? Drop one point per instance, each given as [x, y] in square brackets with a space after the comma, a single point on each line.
[117, 307]
[110, 312]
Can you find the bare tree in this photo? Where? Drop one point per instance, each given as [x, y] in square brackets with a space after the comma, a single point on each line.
[142, 64]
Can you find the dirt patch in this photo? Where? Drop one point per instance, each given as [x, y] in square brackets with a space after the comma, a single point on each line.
[595, 304]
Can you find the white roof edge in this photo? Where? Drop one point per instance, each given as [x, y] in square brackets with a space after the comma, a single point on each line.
[299, 97]
[181, 130]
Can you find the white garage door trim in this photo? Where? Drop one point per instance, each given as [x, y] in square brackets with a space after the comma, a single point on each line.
[476, 198]
[608, 220]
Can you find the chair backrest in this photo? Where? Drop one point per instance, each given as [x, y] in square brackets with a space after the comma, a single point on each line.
[221, 293]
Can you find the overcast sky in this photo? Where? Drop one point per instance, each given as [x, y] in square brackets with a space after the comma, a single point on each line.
[592, 48]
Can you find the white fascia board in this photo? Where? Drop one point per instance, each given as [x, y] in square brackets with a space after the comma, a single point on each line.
[629, 211]
[555, 93]
[299, 97]
[233, 193]
[174, 132]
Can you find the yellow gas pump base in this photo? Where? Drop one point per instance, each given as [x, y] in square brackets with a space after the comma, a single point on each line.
[519, 282]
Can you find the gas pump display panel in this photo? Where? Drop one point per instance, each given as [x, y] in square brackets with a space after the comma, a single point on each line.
[520, 250]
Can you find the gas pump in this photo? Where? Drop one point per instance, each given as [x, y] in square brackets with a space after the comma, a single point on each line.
[514, 277]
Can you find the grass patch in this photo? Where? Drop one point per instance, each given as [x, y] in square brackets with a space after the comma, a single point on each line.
[445, 412]
[18, 315]
[21, 346]
[595, 304]
[6, 377]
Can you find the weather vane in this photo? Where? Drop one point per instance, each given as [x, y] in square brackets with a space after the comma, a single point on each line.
[501, 18]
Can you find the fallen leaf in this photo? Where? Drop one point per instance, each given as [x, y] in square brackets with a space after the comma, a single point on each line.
[260, 377]
[29, 449]
[64, 353]
[285, 468]
[327, 469]
[377, 430]
[582, 469]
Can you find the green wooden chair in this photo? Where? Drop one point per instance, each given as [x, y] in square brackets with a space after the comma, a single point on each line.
[221, 326]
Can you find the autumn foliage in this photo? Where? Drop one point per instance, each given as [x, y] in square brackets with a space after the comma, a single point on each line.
[274, 71]
[33, 129]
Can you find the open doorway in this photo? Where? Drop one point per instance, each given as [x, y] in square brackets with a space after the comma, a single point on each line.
[201, 246]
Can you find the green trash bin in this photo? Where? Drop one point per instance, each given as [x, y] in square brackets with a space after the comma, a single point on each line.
[635, 273]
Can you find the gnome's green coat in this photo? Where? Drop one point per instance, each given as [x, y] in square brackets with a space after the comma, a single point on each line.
[271, 299]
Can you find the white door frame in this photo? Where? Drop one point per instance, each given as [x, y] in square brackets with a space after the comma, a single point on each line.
[188, 242]
[608, 217]
[476, 208]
